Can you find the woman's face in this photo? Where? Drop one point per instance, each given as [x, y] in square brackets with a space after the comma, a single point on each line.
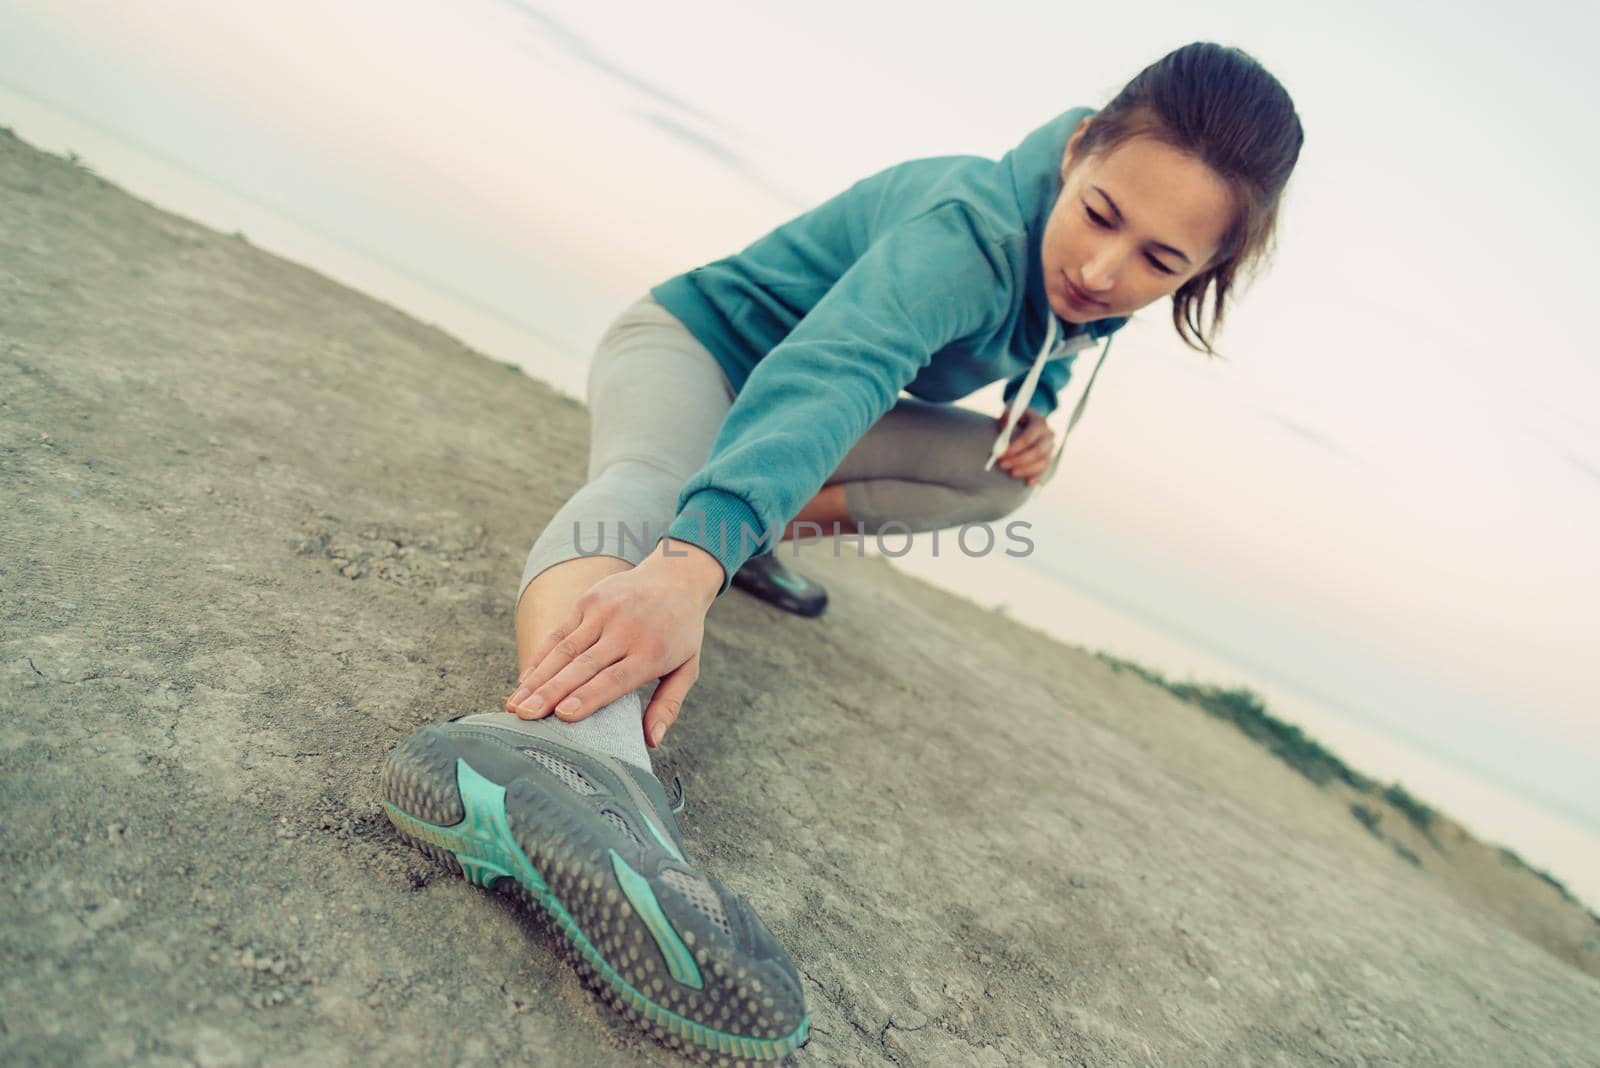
[1130, 227]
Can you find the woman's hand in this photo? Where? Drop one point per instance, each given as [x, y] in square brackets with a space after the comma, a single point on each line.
[1032, 444]
[630, 627]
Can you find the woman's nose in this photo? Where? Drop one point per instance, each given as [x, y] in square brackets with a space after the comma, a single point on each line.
[1098, 274]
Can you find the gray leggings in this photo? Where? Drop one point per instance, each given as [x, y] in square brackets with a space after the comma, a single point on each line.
[657, 398]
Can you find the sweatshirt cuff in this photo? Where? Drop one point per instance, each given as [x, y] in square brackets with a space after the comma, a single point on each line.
[723, 525]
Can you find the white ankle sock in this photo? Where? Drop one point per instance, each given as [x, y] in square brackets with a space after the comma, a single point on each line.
[617, 729]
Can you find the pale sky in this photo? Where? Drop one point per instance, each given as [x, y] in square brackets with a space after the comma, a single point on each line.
[1388, 494]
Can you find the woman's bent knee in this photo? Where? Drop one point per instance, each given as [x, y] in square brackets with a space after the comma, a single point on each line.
[1000, 497]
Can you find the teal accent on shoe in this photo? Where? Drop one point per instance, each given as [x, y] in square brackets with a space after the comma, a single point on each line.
[483, 844]
[680, 962]
[793, 585]
[666, 842]
[482, 841]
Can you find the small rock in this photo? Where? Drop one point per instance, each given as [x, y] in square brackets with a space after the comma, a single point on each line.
[106, 915]
[1213, 983]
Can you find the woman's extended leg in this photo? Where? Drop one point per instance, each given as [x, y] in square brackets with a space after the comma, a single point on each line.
[656, 400]
[587, 830]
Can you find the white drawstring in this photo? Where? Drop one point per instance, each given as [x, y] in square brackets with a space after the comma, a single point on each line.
[1025, 394]
[1077, 412]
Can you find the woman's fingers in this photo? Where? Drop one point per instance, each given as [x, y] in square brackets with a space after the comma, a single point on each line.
[589, 664]
[1037, 453]
[1029, 430]
[563, 645]
[630, 627]
[668, 700]
[1031, 457]
[1028, 452]
[583, 687]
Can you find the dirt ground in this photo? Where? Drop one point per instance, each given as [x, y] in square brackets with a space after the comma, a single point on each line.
[258, 527]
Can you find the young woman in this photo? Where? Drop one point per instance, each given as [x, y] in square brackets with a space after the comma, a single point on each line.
[748, 399]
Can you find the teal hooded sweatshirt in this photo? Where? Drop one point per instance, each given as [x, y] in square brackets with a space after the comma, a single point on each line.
[925, 277]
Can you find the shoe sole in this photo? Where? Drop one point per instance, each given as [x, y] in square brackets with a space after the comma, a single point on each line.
[559, 864]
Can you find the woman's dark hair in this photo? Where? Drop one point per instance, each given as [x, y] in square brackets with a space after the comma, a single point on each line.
[1220, 106]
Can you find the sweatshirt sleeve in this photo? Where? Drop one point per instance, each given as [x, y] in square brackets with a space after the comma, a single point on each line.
[1053, 376]
[926, 282]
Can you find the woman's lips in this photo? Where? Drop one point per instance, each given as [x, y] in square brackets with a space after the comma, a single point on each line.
[1078, 298]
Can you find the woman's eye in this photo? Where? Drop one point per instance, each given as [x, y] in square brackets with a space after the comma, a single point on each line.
[1101, 221]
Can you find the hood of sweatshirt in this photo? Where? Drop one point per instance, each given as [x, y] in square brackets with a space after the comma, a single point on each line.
[1034, 168]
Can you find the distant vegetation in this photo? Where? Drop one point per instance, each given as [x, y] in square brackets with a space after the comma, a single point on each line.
[1290, 744]
[1405, 853]
[1367, 817]
[1421, 816]
[1511, 858]
[1245, 710]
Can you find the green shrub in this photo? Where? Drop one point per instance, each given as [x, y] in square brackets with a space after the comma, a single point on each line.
[1367, 817]
[1406, 853]
[1421, 816]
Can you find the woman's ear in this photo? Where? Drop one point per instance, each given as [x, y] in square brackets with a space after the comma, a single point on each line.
[1072, 145]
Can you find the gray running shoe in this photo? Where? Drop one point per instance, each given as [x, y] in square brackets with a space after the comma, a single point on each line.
[591, 843]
